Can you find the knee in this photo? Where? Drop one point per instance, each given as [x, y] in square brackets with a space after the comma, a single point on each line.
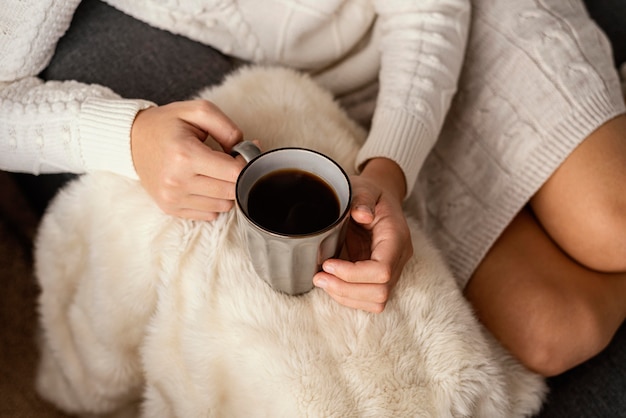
[557, 341]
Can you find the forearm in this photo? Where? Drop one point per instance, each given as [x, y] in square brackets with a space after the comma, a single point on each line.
[55, 126]
[65, 127]
[422, 50]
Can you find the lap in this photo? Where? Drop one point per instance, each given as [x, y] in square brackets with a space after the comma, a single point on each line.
[188, 296]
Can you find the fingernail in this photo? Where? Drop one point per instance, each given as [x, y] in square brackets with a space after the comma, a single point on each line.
[328, 268]
[364, 208]
[321, 283]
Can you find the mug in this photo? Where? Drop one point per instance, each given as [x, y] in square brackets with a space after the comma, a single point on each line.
[293, 205]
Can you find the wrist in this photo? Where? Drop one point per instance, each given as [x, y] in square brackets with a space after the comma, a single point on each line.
[105, 129]
[387, 174]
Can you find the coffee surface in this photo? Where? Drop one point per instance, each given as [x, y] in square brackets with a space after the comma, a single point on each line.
[292, 202]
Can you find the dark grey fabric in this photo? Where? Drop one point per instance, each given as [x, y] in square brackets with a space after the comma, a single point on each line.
[596, 388]
[610, 15]
[107, 47]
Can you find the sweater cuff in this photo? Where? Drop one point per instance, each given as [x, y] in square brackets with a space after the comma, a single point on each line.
[105, 126]
[400, 137]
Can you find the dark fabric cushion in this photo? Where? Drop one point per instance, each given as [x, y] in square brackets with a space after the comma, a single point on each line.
[611, 17]
[107, 47]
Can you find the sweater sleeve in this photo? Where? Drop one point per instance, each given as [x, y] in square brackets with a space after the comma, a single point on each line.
[55, 126]
[422, 49]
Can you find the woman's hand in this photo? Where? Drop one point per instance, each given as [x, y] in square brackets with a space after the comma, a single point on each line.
[185, 177]
[378, 242]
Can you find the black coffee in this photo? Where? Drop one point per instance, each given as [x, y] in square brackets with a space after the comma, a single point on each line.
[292, 202]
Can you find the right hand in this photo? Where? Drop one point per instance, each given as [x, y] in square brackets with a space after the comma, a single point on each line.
[185, 177]
[378, 241]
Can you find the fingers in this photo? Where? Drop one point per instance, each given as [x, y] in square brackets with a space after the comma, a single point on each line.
[362, 285]
[378, 244]
[363, 202]
[201, 207]
[210, 119]
[203, 187]
[215, 164]
[211, 187]
[368, 297]
[184, 176]
[364, 272]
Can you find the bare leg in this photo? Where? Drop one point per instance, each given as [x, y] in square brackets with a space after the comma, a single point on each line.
[583, 205]
[555, 296]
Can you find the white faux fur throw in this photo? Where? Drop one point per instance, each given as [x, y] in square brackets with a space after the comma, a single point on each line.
[145, 314]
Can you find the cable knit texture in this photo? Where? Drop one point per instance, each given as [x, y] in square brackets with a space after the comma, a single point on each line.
[333, 39]
[535, 79]
[538, 79]
[55, 127]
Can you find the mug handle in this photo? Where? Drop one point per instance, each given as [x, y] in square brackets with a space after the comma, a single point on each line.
[247, 149]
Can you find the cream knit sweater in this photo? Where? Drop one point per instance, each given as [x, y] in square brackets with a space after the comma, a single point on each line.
[537, 78]
[414, 49]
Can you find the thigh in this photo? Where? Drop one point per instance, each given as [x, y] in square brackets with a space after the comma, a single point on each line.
[582, 205]
[107, 47]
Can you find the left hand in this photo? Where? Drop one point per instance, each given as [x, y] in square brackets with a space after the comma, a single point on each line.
[185, 177]
[378, 241]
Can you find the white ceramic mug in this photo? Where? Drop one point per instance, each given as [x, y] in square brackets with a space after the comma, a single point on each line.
[288, 254]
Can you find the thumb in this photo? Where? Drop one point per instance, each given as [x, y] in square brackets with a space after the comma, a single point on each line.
[364, 205]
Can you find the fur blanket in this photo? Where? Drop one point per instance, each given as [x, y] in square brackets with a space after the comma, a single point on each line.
[145, 314]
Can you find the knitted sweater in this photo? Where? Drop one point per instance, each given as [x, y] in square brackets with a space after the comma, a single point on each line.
[413, 49]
